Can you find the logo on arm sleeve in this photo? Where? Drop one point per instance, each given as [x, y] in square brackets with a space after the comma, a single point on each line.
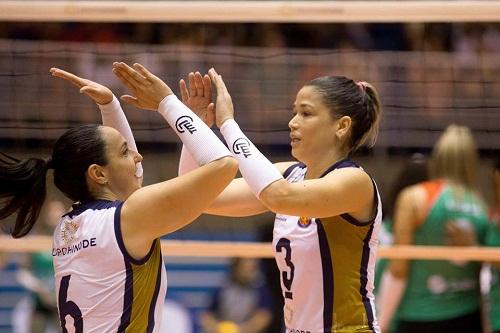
[184, 123]
[242, 146]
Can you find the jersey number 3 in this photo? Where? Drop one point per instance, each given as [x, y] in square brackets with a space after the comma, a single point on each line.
[287, 277]
[68, 308]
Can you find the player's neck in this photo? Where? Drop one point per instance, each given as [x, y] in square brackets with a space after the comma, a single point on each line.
[107, 195]
[317, 167]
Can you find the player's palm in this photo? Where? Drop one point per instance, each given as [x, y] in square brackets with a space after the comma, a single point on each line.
[198, 96]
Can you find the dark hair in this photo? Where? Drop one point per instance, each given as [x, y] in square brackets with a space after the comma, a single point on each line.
[23, 182]
[412, 172]
[358, 100]
[496, 164]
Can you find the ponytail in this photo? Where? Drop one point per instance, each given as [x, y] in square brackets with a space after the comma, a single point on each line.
[372, 108]
[22, 190]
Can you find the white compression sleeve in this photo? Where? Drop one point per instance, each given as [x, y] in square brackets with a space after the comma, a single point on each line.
[203, 144]
[257, 170]
[113, 116]
[186, 161]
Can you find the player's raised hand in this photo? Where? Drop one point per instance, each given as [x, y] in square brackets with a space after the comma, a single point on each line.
[97, 92]
[224, 109]
[147, 89]
[197, 96]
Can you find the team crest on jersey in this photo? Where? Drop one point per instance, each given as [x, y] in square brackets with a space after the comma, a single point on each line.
[304, 221]
[68, 231]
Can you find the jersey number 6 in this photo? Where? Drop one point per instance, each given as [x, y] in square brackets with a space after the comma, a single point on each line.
[68, 308]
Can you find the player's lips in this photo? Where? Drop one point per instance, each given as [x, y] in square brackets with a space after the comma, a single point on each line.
[294, 140]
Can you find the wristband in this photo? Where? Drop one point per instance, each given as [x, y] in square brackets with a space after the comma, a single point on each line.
[113, 116]
[203, 144]
[257, 170]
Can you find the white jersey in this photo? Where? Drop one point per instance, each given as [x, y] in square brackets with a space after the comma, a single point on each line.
[327, 267]
[99, 286]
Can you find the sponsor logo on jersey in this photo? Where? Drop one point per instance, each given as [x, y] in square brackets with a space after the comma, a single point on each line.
[242, 146]
[184, 123]
[280, 218]
[304, 221]
[68, 231]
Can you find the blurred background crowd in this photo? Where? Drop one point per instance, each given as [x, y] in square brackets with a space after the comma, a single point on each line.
[448, 37]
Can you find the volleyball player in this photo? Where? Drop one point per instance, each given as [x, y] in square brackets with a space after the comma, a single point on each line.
[110, 275]
[493, 239]
[328, 208]
[436, 295]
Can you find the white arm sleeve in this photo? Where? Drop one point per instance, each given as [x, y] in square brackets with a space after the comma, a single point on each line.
[203, 144]
[113, 116]
[186, 162]
[257, 170]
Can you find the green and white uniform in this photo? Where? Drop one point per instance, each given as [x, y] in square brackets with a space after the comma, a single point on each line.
[493, 239]
[438, 289]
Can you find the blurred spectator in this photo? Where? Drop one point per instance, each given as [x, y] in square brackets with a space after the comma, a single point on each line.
[493, 239]
[436, 295]
[176, 318]
[388, 36]
[412, 172]
[242, 305]
[12, 294]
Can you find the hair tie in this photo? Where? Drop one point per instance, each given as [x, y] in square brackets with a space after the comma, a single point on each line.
[362, 85]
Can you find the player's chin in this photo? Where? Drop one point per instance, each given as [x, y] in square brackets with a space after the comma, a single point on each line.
[296, 152]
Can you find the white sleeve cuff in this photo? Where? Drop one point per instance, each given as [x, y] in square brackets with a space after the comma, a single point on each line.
[201, 142]
[113, 116]
[257, 170]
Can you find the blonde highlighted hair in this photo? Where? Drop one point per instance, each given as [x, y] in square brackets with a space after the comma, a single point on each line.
[455, 157]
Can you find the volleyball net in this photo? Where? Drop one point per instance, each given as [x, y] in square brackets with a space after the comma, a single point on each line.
[421, 91]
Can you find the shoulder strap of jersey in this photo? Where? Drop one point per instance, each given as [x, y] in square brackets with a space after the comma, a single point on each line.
[432, 191]
[292, 167]
[345, 163]
[79, 208]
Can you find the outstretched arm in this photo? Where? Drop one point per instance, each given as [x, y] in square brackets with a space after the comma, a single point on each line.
[237, 199]
[162, 208]
[111, 110]
[316, 197]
